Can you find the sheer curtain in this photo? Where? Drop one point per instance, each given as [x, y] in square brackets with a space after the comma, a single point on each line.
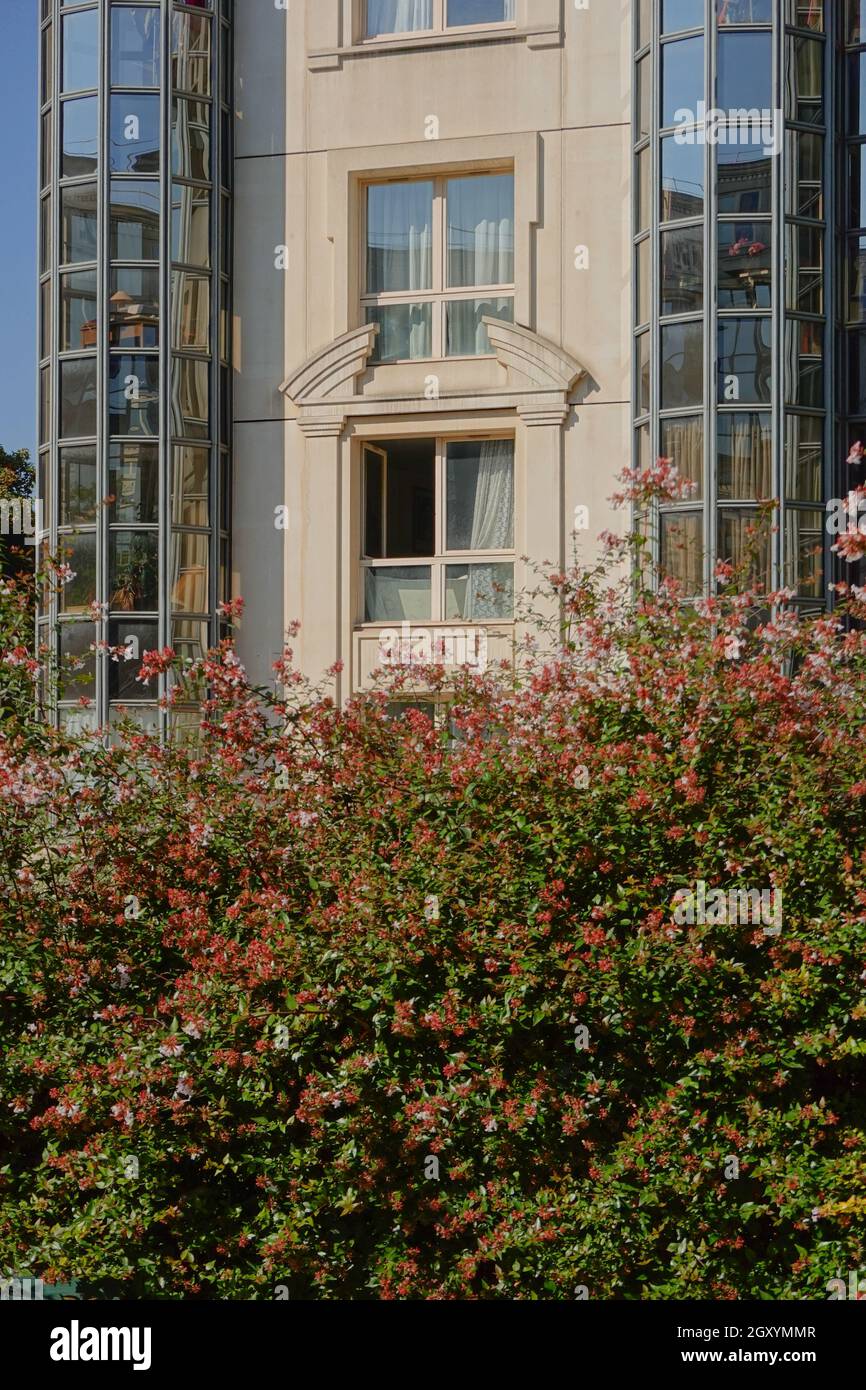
[481, 230]
[492, 527]
[398, 16]
[751, 458]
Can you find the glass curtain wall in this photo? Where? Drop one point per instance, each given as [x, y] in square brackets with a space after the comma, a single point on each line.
[731, 374]
[135, 410]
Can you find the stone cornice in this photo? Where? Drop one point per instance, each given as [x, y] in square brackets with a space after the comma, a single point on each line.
[326, 374]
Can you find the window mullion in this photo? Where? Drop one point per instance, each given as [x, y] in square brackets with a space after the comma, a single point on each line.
[439, 15]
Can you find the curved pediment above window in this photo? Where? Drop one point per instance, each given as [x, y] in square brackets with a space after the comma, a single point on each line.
[534, 368]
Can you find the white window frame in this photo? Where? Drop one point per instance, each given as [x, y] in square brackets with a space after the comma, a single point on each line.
[439, 296]
[437, 563]
[440, 25]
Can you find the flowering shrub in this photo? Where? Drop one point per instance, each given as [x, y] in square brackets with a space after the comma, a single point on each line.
[338, 1005]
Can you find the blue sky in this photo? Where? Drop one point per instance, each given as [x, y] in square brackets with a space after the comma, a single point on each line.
[18, 121]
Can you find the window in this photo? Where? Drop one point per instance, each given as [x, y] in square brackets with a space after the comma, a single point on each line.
[438, 530]
[385, 17]
[135, 46]
[432, 247]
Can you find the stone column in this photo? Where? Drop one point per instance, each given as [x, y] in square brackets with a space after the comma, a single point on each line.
[319, 534]
[545, 540]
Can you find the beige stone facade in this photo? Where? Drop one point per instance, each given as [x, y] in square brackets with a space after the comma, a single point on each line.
[321, 114]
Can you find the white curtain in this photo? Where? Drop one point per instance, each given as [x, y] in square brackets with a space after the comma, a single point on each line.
[398, 16]
[492, 529]
[399, 237]
[481, 230]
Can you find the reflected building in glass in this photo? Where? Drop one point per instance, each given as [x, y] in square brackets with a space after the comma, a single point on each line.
[737, 356]
[134, 443]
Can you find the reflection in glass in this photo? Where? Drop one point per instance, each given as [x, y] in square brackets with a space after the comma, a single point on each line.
[857, 186]
[745, 72]
[45, 151]
[744, 179]
[133, 482]
[856, 26]
[79, 141]
[78, 485]
[856, 346]
[45, 233]
[682, 280]
[642, 372]
[745, 265]
[745, 454]
[745, 11]
[466, 334]
[78, 310]
[190, 225]
[804, 458]
[44, 405]
[682, 180]
[405, 331]
[399, 237]
[804, 363]
[80, 51]
[745, 360]
[682, 14]
[682, 441]
[190, 53]
[479, 11]
[47, 66]
[682, 64]
[134, 135]
[45, 298]
[136, 637]
[190, 488]
[190, 139]
[134, 220]
[643, 98]
[804, 552]
[644, 282]
[682, 549]
[643, 194]
[78, 223]
[682, 363]
[190, 311]
[804, 269]
[744, 545]
[78, 551]
[479, 593]
[804, 160]
[190, 398]
[135, 46]
[133, 306]
[78, 398]
[804, 81]
[189, 572]
[856, 279]
[133, 564]
[133, 394]
[77, 651]
[190, 638]
[397, 592]
[480, 230]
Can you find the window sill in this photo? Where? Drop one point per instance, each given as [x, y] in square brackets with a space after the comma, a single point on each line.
[542, 36]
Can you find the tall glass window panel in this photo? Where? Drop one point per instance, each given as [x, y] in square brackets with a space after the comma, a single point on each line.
[133, 394]
[405, 331]
[480, 216]
[682, 83]
[479, 486]
[134, 136]
[643, 98]
[745, 265]
[78, 310]
[399, 237]
[133, 483]
[682, 441]
[191, 53]
[78, 398]
[190, 225]
[190, 398]
[644, 282]
[857, 186]
[644, 22]
[134, 220]
[681, 549]
[462, 12]
[479, 593]
[47, 90]
[804, 269]
[745, 454]
[745, 73]
[804, 552]
[804, 458]
[133, 305]
[804, 364]
[642, 372]
[804, 81]
[682, 365]
[466, 333]
[190, 572]
[78, 550]
[135, 46]
[804, 174]
[682, 14]
[855, 27]
[745, 544]
[190, 639]
[856, 124]
[44, 405]
[77, 648]
[133, 564]
[744, 12]
[78, 498]
[744, 179]
[856, 280]
[79, 139]
[398, 16]
[683, 179]
[190, 139]
[136, 637]
[682, 278]
[46, 292]
[78, 223]
[80, 54]
[856, 348]
[190, 489]
[745, 360]
[45, 210]
[190, 311]
[643, 197]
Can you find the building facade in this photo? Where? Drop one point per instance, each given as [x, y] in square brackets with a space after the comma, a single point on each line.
[400, 286]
